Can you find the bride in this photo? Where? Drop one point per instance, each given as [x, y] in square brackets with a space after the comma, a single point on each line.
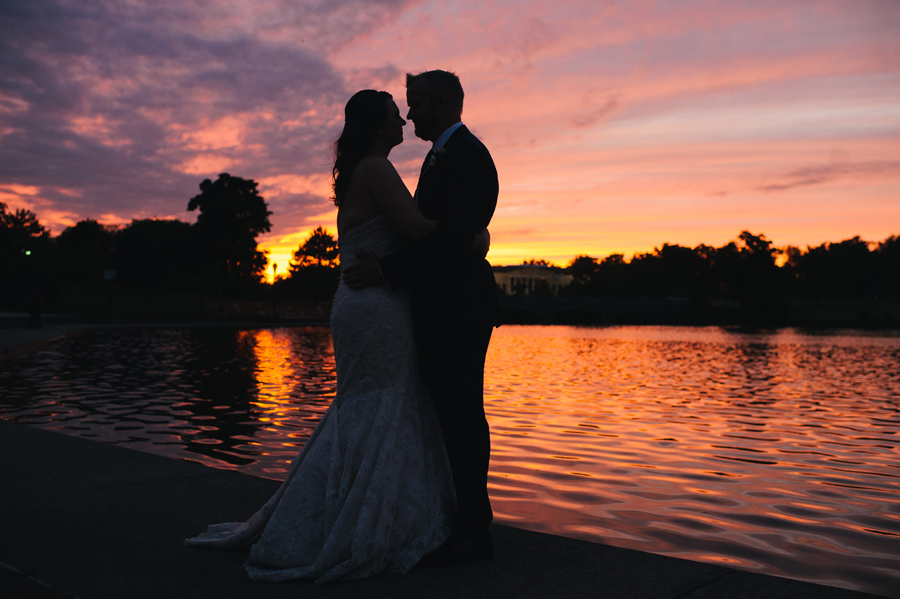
[371, 490]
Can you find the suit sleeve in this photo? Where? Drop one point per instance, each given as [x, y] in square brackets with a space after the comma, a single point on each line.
[467, 196]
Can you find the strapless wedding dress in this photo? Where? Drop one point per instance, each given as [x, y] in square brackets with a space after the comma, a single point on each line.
[371, 490]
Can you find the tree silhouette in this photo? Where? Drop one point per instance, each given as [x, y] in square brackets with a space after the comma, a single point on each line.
[232, 215]
[313, 270]
[887, 264]
[25, 255]
[154, 253]
[84, 251]
[20, 228]
[321, 249]
[843, 269]
[584, 275]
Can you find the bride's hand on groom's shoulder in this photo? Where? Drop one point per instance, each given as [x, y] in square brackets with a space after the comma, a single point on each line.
[365, 273]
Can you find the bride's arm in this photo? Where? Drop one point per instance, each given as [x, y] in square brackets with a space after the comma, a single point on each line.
[394, 201]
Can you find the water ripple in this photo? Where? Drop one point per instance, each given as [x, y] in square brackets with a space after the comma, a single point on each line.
[775, 452]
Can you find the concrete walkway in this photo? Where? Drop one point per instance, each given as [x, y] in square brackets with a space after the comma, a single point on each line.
[89, 520]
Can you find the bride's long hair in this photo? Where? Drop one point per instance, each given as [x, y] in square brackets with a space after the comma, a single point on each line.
[364, 115]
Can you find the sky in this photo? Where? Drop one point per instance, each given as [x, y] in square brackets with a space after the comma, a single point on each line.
[616, 126]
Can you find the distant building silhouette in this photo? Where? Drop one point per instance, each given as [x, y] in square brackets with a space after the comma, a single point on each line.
[531, 279]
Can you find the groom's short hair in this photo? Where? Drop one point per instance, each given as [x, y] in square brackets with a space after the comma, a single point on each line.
[441, 82]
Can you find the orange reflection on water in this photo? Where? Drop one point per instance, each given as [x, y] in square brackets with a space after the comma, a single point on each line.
[294, 386]
[777, 451]
[701, 443]
[275, 368]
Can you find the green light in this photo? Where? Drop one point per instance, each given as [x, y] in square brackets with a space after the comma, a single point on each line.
[27, 252]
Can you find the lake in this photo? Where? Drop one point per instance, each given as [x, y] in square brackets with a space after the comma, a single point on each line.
[776, 451]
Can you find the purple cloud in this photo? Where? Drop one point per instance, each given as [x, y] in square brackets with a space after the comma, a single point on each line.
[814, 175]
[101, 104]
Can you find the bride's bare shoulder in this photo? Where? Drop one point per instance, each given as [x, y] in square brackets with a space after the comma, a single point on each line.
[376, 168]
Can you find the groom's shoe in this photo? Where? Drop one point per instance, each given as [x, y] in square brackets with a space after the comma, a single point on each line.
[460, 549]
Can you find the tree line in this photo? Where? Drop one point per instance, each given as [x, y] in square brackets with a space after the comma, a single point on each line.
[750, 281]
[218, 254]
[747, 269]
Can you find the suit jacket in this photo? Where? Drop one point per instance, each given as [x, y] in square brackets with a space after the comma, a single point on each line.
[447, 281]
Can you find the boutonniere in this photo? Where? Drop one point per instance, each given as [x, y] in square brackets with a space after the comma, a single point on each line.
[436, 154]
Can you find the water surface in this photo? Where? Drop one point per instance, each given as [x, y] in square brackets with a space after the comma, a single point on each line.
[775, 452]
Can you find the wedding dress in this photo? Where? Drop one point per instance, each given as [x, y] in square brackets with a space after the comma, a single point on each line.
[371, 490]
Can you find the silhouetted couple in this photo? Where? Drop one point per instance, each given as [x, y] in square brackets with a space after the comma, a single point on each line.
[396, 472]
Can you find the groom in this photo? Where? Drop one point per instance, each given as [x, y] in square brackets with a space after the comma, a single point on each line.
[454, 298]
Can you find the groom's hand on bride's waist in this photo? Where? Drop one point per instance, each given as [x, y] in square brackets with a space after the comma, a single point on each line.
[365, 273]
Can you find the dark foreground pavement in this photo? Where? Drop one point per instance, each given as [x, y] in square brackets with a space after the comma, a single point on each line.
[95, 521]
[84, 519]
[16, 338]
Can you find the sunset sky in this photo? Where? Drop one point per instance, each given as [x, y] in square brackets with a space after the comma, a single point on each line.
[615, 126]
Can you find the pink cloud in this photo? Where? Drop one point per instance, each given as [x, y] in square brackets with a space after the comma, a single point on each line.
[615, 126]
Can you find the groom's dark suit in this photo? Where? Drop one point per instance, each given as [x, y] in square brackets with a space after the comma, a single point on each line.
[454, 306]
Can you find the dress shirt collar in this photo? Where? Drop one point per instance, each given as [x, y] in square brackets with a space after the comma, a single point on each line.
[443, 137]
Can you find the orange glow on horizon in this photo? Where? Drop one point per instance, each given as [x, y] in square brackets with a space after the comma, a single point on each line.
[678, 125]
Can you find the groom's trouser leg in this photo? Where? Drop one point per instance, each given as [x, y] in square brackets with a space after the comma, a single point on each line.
[454, 374]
